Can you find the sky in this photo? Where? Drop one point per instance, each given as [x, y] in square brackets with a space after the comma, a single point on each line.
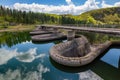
[74, 7]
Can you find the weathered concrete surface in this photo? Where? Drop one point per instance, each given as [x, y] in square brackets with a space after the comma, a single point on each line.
[70, 35]
[77, 52]
[40, 32]
[75, 48]
[114, 31]
[38, 28]
[48, 37]
[43, 30]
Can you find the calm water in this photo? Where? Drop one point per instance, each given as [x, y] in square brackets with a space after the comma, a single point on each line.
[21, 59]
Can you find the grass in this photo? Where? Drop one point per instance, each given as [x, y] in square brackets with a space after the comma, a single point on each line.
[19, 27]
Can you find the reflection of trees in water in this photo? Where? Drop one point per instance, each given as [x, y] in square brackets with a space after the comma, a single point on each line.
[119, 62]
[12, 38]
[98, 37]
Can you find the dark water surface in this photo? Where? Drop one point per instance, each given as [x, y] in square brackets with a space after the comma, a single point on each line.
[21, 59]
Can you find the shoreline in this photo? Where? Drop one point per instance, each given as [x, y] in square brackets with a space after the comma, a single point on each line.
[17, 28]
[14, 30]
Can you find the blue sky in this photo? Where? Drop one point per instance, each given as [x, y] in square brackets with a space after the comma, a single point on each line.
[50, 2]
[59, 6]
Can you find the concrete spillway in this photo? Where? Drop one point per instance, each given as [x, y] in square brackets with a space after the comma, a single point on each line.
[48, 37]
[77, 52]
[40, 32]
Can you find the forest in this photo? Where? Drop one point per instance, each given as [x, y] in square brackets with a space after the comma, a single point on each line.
[101, 16]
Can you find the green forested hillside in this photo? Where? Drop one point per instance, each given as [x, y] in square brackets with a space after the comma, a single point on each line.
[10, 16]
[100, 16]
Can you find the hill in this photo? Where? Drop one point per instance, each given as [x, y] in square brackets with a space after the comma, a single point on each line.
[102, 16]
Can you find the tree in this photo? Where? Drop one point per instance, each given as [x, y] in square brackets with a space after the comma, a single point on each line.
[91, 20]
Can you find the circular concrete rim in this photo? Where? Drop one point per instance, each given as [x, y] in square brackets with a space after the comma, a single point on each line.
[78, 61]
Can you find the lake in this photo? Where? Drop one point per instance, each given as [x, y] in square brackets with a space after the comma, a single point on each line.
[22, 59]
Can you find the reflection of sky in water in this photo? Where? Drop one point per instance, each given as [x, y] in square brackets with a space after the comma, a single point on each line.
[28, 61]
[29, 56]
[112, 57]
[21, 62]
[31, 75]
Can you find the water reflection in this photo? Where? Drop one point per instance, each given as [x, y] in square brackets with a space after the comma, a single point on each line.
[20, 75]
[96, 38]
[13, 38]
[112, 57]
[98, 66]
[119, 62]
[25, 60]
[89, 75]
[84, 72]
[29, 56]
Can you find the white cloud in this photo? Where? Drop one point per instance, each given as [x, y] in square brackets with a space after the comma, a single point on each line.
[89, 75]
[105, 5]
[69, 2]
[30, 75]
[71, 8]
[26, 42]
[29, 56]
[61, 9]
[6, 55]
[117, 4]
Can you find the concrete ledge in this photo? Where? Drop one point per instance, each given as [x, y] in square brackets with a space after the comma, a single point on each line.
[43, 34]
[56, 51]
[48, 37]
[36, 32]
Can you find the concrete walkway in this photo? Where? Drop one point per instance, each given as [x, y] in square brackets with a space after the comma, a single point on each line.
[114, 31]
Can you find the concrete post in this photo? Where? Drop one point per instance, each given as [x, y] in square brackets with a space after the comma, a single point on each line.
[43, 27]
[70, 35]
[55, 31]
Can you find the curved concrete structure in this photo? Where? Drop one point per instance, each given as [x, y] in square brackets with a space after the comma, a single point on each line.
[40, 32]
[64, 54]
[48, 37]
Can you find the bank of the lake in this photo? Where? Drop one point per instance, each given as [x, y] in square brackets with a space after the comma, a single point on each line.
[18, 27]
